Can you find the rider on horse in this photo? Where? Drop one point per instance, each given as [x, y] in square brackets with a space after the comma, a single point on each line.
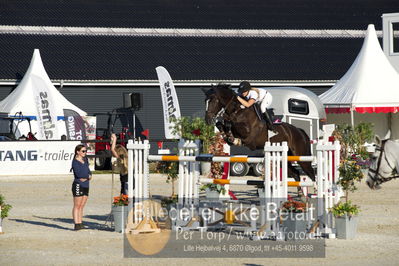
[251, 95]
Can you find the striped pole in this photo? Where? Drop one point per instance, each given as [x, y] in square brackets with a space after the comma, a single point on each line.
[211, 158]
[259, 183]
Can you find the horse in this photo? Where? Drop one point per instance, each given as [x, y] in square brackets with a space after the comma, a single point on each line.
[384, 163]
[242, 126]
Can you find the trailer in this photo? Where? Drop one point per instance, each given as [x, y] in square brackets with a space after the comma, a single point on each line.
[294, 105]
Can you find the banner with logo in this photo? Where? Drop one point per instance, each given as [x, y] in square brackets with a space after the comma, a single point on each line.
[36, 157]
[170, 102]
[75, 126]
[90, 123]
[46, 109]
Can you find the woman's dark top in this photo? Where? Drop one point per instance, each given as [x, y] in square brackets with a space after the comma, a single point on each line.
[81, 170]
[124, 178]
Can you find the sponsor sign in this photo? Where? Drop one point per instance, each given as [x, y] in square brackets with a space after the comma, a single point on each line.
[36, 157]
[75, 126]
[45, 109]
[170, 103]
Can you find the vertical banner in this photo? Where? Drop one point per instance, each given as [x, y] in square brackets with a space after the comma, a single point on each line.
[46, 109]
[75, 125]
[90, 128]
[170, 103]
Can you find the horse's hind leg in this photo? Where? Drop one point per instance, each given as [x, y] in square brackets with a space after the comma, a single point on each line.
[293, 172]
[308, 169]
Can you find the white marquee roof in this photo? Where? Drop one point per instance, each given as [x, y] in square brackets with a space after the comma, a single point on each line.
[370, 85]
[22, 98]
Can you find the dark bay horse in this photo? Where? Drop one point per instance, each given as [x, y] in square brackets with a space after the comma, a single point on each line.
[242, 126]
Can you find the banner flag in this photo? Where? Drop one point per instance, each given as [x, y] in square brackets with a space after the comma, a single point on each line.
[46, 109]
[170, 102]
[75, 126]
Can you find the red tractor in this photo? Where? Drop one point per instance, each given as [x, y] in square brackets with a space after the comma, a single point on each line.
[118, 120]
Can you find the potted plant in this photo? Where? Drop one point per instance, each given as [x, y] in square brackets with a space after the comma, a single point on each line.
[4, 209]
[213, 191]
[196, 128]
[120, 211]
[295, 219]
[346, 219]
[354, 159]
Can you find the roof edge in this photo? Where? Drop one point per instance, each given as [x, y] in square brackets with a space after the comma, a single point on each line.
[61, 83]
[184, 32]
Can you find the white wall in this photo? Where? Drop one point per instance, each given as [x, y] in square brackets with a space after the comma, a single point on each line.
[380, 121]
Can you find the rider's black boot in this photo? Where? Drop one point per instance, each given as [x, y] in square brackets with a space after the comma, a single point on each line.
[268, 120]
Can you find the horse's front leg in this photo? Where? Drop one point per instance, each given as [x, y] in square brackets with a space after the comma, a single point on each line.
[225, 130]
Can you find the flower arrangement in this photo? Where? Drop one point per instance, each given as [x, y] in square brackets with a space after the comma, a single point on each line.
[293, 206]
[5, 208]
[354, 156]
[121, 200]
[345, 208]
[214, 187]
[350, 173]
[194, 128]
[352, 139]
[216, 148]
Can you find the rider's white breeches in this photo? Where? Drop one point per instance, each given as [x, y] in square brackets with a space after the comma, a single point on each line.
[266, 102]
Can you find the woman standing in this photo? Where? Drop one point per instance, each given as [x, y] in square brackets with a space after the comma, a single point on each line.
[80, 185]
[120, 153]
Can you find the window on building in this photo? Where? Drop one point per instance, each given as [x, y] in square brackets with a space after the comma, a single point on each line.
[395, 37]
[296, 106]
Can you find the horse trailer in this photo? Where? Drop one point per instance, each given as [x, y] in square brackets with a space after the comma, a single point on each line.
[294, 105]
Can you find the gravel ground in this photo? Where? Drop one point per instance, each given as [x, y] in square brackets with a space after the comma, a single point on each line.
[39, 228]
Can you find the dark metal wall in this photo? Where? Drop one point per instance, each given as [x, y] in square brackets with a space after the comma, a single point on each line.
[105, 99]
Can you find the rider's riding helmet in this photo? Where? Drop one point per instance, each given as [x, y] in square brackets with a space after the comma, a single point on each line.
[243, 87]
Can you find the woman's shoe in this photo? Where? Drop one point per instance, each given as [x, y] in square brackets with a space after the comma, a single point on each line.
[77, 227]
[81, 226]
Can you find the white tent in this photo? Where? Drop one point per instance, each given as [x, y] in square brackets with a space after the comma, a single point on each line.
[37, 98]
[370, 86]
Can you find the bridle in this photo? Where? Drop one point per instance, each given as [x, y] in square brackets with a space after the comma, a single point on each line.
[376, 173]
[222, 111]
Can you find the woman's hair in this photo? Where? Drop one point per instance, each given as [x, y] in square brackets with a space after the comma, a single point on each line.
[121, 162]
[78, 148]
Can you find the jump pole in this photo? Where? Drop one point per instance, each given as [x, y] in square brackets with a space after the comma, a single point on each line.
[259, 183]
[220, 159]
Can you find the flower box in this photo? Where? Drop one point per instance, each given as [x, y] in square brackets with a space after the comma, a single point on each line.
[295, 226]
[120, 214]
[346, 226]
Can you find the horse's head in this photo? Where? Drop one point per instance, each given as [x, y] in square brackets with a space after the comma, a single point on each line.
[381, 165]
[216, 98]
